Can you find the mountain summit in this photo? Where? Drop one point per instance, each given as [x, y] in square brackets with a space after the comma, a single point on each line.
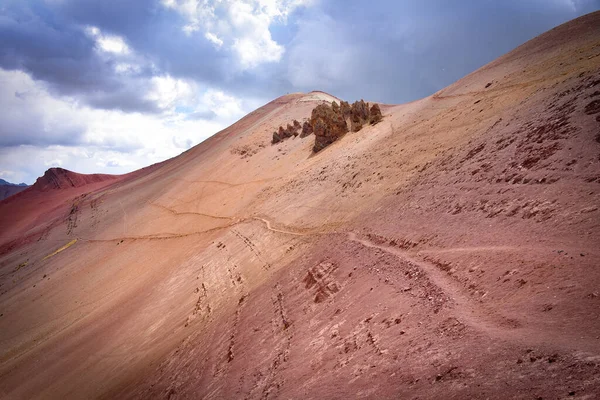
[59, 178]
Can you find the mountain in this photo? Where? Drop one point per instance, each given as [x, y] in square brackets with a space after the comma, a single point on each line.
[5, 183]
[8, 189]
[52, 201]
[59, 178]
[448, 251]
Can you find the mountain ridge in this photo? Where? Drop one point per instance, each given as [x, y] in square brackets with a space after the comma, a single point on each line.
[3, 182]
[448, 251]
[57, 178]
[8, 189]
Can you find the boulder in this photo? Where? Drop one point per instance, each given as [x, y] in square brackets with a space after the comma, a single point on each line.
[307, 129]
[375, 114]
[360, 111]
[328, 125]
[276, 138]
[289, 131]
[359, 114]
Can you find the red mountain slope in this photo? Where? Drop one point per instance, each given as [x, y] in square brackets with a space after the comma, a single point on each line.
[450, 251]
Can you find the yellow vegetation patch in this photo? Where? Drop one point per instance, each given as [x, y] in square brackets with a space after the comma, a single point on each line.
[23, 264]
[66, 246]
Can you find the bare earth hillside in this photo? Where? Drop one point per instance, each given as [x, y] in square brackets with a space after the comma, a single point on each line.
[450, 251]
[9, 190]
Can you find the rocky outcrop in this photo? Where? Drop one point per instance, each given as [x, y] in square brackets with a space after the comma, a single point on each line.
[288, 131]
[329, 122]
[359, 114]
[346, 109]
[307, 129]
[375, 114]
[328, 125]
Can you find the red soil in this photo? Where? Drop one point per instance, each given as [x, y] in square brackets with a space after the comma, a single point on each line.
[450, 251]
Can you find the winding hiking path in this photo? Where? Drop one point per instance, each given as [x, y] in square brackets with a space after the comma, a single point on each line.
[477, 315]
[461, 305]
[269, 227]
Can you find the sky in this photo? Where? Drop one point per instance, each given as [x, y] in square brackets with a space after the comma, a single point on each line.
[110, 86]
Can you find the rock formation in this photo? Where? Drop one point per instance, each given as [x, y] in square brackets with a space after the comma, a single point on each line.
[329, 122]
[375, 114]
[284, 133]
[307, 129]
[359, 115]
[328, 125]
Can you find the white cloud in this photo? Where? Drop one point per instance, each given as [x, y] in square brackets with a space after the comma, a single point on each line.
[7, 174]
[242, 26]
[127, 68]
[92, 31]
[254, 44]
[214, 39]
[113, 44]
[57, 162]
[167, 92]
[113, 161]
[108, 43]
[31, 115]
[223, 105]
[108, 141]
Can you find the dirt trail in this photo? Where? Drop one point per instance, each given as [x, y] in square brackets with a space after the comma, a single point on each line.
[269, 227]
[223, 183]
[185, 213]
[466, 309]
[478, 316]
[473, 249]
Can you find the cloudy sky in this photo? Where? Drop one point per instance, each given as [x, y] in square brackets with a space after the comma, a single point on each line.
[112, 85]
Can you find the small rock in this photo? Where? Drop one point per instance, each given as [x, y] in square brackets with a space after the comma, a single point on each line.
[588, 210]
[547, 307]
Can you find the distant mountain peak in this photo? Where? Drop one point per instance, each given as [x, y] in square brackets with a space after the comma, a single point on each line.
[6, 183]
[60, 178]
